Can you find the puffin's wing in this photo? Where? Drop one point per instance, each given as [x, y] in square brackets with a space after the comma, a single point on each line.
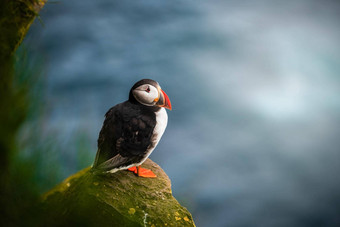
[107, 137]
[124, 138]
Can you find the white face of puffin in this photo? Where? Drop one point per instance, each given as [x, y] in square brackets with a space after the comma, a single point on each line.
[146, 94]
[151, 94]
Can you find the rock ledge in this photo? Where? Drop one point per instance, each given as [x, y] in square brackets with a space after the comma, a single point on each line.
[118, 199]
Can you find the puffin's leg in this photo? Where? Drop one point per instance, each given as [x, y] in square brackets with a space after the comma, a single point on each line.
[141, 172]
[133, 169]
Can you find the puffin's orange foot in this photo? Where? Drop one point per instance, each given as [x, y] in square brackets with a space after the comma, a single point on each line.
[133, 169]
[141, 172]
[146, 173]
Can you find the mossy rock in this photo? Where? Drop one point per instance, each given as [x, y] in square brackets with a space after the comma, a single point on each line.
[114, 199]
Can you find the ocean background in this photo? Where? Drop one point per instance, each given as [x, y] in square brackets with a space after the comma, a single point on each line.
[253, 137]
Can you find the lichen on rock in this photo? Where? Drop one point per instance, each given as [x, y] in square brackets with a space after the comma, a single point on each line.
[117, 199]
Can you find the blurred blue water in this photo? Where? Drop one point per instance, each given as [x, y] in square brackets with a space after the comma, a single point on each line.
[253, 138]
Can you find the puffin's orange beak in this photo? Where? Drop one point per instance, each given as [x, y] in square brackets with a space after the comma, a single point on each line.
[164, 100]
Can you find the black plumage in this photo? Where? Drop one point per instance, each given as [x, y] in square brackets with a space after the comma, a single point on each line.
[125, 135]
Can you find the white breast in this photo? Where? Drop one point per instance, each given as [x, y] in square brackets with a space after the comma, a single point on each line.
[161, 123]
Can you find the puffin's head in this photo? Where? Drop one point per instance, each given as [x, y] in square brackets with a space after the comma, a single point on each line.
[149, 93]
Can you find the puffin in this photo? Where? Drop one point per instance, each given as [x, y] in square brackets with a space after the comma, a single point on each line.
[132, 130]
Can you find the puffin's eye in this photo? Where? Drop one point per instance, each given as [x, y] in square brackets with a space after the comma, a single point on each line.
[147, 90]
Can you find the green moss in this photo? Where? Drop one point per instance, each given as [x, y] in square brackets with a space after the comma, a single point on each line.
[119, 199]
[16, 16]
